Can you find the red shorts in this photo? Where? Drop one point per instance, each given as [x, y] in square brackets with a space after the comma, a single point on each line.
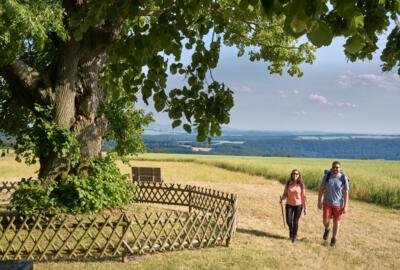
[332, 211]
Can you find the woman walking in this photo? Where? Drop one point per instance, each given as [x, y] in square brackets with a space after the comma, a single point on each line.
[295, 197]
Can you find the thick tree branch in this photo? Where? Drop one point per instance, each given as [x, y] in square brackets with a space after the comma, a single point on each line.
[26, 76]
[27, 85]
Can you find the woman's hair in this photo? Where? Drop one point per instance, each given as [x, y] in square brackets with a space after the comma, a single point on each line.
[291, 177]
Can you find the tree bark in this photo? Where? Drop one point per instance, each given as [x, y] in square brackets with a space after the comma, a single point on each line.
[78, 98]
[90, 125]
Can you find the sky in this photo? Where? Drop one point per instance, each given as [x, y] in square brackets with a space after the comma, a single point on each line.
[334, 95]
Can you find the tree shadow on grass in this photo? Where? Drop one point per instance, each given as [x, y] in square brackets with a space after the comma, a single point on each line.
[260, 233]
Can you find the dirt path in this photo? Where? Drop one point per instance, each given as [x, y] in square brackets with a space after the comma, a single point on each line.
[369, 236]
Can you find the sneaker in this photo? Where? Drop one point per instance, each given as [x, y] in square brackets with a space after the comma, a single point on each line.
[326, 234]
[333, 242]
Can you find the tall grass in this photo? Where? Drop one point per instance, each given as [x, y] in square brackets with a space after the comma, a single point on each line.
[374, 181]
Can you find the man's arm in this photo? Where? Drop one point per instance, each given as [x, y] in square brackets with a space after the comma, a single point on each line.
[320, 193]
[346, 200]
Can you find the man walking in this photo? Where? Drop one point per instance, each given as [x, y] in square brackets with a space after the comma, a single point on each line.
[334, 190]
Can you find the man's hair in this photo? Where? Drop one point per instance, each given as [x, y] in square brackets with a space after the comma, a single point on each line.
[336, 163]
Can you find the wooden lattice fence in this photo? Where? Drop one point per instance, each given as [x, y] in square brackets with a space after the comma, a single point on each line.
[7, 188]
[211, 221]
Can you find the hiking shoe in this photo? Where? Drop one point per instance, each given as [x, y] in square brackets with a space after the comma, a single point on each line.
[294, 239]
[326, 234]
[333, 242]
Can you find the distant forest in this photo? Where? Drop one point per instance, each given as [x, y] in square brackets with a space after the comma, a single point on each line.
[285, 146]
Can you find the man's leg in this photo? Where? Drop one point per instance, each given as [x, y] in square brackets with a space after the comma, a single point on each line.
[326, 222]
[335, 229]
[327, 230]
[326, 217]
[336, 224]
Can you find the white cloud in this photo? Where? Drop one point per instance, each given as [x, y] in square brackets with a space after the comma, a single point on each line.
[318, 99]
[300, 113]
[385, 82]
[345, 104]
[345, 80]
[244, 89]
[287, 93]
[324, 101]
[340, 115]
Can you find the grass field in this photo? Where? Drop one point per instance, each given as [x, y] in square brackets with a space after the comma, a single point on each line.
[376, 181]
[369, 237]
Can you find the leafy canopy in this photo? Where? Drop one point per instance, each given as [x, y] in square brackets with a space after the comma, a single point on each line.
[153, 36]
[360, 22]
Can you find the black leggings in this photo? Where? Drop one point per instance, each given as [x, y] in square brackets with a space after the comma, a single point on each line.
[293, 214]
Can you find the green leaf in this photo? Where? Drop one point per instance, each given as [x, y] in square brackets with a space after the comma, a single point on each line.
[288, 28]
[354, 44]
[160, 99]
[159, 105]
[322, 36]
[187, 128]
[298, 25]
[357, 21]
[176, 123]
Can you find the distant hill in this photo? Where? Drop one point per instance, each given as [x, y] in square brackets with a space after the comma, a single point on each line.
[278, 143]
[164, 139]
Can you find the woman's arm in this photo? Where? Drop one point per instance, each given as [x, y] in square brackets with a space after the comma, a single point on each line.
[285, 193]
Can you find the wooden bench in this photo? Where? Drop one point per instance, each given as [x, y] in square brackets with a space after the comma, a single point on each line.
[142, 174]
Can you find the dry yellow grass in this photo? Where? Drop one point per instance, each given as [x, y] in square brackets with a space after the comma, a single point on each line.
[369, 237]
[11, 170]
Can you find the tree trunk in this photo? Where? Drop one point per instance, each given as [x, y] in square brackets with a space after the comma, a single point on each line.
[78, 98]
[90, 125]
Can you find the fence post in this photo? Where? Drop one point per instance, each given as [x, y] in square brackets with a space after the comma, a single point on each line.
[190, 198]
[125, 228]
[232, 219]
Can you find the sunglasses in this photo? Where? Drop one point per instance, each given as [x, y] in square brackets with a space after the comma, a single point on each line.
[295, 173]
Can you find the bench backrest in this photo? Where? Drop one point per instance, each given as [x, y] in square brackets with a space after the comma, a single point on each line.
[146, 174]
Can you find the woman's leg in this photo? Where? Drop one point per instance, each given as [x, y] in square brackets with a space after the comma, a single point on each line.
[289, 219]
[296, 217]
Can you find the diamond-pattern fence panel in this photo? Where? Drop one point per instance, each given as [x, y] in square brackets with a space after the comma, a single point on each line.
[210, 221]
[7, 188]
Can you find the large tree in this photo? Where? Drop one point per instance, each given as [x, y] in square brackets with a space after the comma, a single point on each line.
[72, 70]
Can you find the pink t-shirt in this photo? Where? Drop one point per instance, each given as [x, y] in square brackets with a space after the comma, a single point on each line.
[295, 193]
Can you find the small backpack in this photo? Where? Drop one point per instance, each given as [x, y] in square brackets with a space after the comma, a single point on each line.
[342, 177]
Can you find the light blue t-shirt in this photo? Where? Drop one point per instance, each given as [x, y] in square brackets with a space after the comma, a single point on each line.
[334, 188]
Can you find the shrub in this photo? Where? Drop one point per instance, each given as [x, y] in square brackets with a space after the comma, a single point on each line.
[104, 188]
